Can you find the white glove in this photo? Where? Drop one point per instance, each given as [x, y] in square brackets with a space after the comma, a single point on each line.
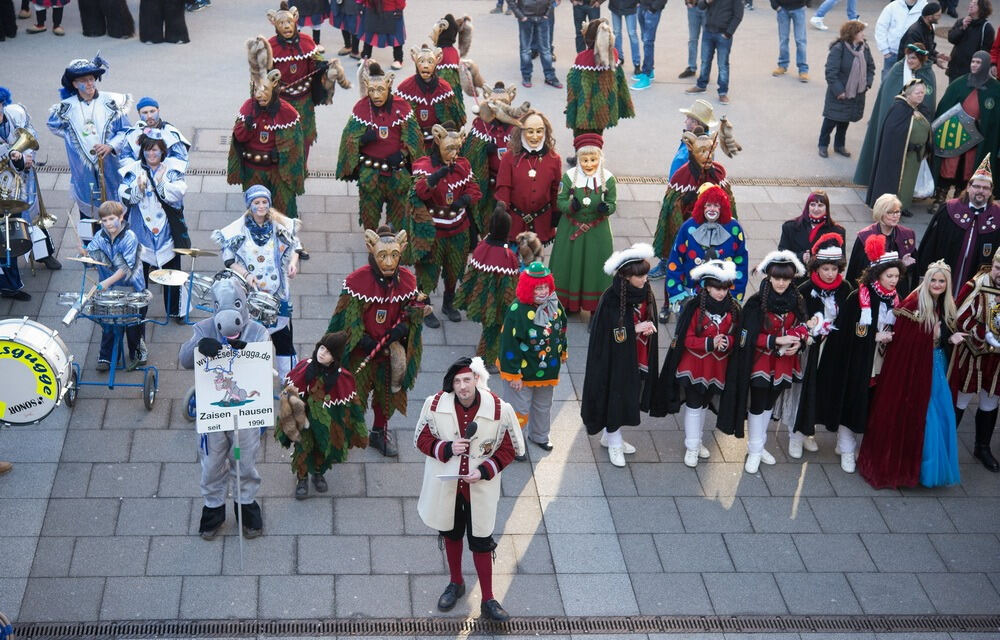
[992, 340]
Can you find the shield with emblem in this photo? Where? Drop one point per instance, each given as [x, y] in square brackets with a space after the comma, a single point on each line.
[381, 315]
[955, 133]
[487, 447]
[501, 151]
[987, 249]
[265, 136]
[424, 114]
[383, 132]
[619, 333]
[449, 197]
[294, 68]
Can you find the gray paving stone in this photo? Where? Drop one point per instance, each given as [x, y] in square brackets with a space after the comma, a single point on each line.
[780, 515]
[645, 515]
[522, 554]
[833, 552]
[400, 479]
[373, 596]
[12, 594]
[109, 556]
[346, 480]
[32, 445]
[521, 515]
[665, 594]
[817, 593]
[973, 515]
[914, 515]
[79, 600]
[707, 515]
[960, 593]
[968, 552]
[902, 552]
[16, 553]
[750, 593]
[32, 480]
[804, 479]
[365, 515]
[212, 597]
[577, 515]
[129, 480]
[180, 480]
[616, 482]
[567, 479]
[154, 516]
[335, 554]
[71, 480]
[848, 485]
[141, 599]
[693, 552]
[99, 446]
[597, 594]
[52, 557]
[517, 480]
[665, 479]
[586, 553]
[183, 556]
[88, 413]
[288, 516]
[80, 517]
[296, 596]
[889, 593]
[170, 445]
[758, 552]
[267, 555]
[727, 479]
[402, 554]
[848, 515]
[639, 552]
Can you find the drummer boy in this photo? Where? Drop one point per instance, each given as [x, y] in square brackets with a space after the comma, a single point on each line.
[116, 245]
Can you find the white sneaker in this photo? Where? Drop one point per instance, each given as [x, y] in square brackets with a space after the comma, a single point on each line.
[753, 463]
[817, 22]
[626, 447]
[810, 444]
[847, 462]
[766, 457]
[617, 456]
[691, 458]
[795, 448]
[703, 452]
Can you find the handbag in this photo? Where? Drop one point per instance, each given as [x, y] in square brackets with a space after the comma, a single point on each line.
[924, 187]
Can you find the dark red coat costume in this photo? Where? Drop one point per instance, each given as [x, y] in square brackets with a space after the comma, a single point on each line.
[779, 370]
[528, 183]
[387, 119]
[457, 183]
[700, 363]
[424, 101]
[254, 131]
[295, 61]
[975, 365]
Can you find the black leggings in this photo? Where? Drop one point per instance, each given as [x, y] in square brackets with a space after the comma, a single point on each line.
[57, 13]
[397, 52]
[839, 138]
[762, 398]
[351, 41]
[696, 397]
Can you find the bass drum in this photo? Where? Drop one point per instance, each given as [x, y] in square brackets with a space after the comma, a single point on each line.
[35, 367]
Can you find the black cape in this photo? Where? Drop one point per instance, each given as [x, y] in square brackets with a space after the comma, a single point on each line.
[805, 417]
[890, 151]
[844, 371]
[613, 391]
[943, 240]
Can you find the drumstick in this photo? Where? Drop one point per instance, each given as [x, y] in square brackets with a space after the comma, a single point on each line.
[76, 232]
[78, 306]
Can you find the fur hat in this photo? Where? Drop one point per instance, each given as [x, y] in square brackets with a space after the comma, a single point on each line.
[618, 259]
[783, 257]
[721, 272]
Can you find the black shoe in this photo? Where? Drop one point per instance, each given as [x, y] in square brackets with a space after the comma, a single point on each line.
[554, 82]
[522, 457]
[51, 263]
[840, 151]
[985, 423]
[178, 319]
[984, 455]
[381, 440]
[303, 254]
[687, 73]
[320, 483]
[253, 524]
[20, 295]
[547, 446]
[431, 320]
[103, 365]
[448, 310]
[450, 596]
[212, 519]
[301, 488]
[491, 610]
[664, 315]
[823, 153]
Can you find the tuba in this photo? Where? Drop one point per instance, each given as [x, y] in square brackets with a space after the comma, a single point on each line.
[24, 142]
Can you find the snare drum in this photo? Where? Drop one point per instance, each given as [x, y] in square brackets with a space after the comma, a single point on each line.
[69, 298]
[229, 273]
[14, 234]
[136, 302]
[35, 366]
[201, 287]
[263, 308]
[107, 303]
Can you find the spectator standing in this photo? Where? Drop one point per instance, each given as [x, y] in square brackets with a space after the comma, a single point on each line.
[626, 9]
[584, 10]
[533, 18]
[383, 25]
[895, 19]
[649, 13]
[850, 71]
[159, 21]
[722, 17]
[970, 34]
[922, 32]
[817, 19]
[41, 8]
[106, 17]
[791, 13]
[696, 20]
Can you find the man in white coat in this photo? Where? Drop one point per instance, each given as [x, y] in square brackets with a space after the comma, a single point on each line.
[468, 435]
[895, 19]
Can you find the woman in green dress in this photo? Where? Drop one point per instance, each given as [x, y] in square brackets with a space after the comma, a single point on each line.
[903, 141]
[587, 198]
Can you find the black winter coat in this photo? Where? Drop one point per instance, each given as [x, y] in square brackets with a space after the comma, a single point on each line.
[977, 37]
[838, 70]
[623, 7]
[531, 8]
[722, 16]
[653, 5]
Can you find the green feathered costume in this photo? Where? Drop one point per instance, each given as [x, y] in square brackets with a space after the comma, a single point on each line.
[596, 96]
[483, 148]
[487, 291]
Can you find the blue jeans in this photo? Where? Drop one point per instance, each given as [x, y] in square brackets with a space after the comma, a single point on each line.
[798, 19]
[852, 8]
[696, 18]
[712, 43]
[581, 13]
[633, 37]
[534, 32]
[648, 22]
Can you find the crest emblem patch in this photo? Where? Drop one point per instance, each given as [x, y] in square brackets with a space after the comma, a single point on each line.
[619, 334]
[860, 330]
[381, 315]
[449, 197]
[487, 447]
[294, 68]
[265, 136]
[383, 132]
[987, 249]
[424, 114]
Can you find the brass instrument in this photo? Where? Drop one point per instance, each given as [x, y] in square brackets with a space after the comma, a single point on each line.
[100, 178]
[24, 142]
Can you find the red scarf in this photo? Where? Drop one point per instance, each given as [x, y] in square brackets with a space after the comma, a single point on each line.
[816, 280]
[864, 295]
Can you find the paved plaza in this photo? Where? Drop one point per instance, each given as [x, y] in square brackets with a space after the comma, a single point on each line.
[99, 518]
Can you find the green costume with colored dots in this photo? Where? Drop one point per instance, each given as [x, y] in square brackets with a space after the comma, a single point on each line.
[529, 352]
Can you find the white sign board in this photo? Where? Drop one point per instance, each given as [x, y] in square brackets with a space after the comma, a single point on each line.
[235, 389]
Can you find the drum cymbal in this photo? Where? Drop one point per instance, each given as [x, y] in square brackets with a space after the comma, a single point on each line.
[12, 206]
[194, 252]
[88, 260]
[169, 277]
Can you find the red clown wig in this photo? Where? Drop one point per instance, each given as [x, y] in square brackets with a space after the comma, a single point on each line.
[716, 194]
[535, 275]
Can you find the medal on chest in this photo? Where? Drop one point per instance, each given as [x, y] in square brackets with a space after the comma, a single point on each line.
[383, 132]
[532, 173]
[265, 136]
[586, 201]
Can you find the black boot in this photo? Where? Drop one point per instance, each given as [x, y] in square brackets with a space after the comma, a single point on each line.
[381, 440]
[664, 315]
[958, 416]
[301, 488]
[985, 423]
[253, 524]
[212, 519]
[431, 320]
[449, 311]
[320, 483]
